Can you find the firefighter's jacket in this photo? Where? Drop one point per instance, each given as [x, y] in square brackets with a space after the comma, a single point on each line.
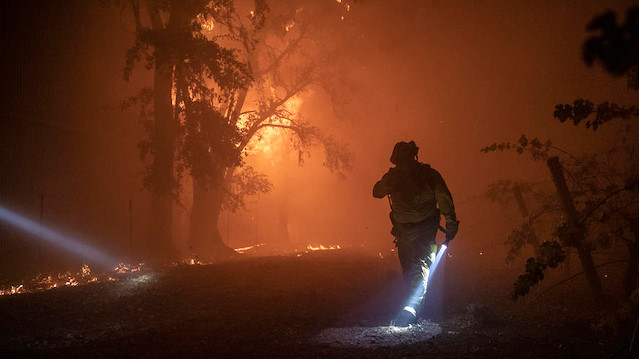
[415, 191]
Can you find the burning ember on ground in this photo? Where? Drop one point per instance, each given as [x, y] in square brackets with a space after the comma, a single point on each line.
[323, 248]
[69, 279]
[245, 249]
[193, 261]
[123, 268]
[86, 275]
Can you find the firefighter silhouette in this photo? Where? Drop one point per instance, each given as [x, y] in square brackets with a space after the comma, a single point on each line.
[418, 197]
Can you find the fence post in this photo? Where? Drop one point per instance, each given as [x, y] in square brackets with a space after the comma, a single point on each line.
[573, 219]
[519, 198]
[131, 228]
[40, 256]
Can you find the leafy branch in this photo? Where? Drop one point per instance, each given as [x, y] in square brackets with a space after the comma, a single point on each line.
[552, 254]
[581, 110]
[537, 149]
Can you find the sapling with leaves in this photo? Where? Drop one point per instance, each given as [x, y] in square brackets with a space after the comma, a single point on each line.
[604, 191]
[534, 204]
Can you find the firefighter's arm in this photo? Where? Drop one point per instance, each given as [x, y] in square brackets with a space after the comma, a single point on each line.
[382, 188]
[446, 206]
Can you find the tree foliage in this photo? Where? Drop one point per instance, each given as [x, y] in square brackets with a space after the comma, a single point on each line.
[593, 116]
[605, 191]
[615, 46]
[171, 40]
[523, 234]
[604, 186]
[246, 182]
[217, 59]
[535, 147]
[552, 253]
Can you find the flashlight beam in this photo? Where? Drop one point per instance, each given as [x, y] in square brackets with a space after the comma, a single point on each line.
[63, 241]
[420, 291]
[438, 258]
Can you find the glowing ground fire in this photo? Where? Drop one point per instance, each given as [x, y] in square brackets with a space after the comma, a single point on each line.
[248, 248]
[72, 279]
[323, 247]
[72, 245]
[86, 276]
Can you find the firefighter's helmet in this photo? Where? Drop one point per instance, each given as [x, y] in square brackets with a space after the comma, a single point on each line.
[404, 151]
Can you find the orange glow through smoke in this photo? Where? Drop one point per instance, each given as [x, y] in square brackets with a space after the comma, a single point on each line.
[270, 138]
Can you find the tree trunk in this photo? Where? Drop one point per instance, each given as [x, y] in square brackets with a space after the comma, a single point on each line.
[159, 243]
[282, 234]
[165, 130]
[204, 236]
[582, 248]
[523, 209]
[630, 276]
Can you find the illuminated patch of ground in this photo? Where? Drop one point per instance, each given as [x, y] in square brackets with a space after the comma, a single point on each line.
[382, 336]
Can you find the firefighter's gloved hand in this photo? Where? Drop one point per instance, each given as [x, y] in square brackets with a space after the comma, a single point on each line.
[451, 229]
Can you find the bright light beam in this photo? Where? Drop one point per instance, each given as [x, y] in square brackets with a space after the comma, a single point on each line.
[431, 270]
[68, 243]
[421, 290]
[438, 258]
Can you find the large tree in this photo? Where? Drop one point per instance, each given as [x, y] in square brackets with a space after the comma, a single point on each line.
[223, 75]
[170, 41]
[281, 56]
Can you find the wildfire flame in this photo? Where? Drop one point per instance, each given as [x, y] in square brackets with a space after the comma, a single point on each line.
[71, 282]
[84, 276]
[86, 270]
[207, 24]
[245, 249]
[269, 138]
[124, 268]
[193, 261]
[289, 26]
[323, 248]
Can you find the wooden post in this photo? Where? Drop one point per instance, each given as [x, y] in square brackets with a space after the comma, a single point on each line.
[257, 228]
[131, 228]
[573, 219]
[630, 275]
[519, 198]
[228, 228]
[40, 256]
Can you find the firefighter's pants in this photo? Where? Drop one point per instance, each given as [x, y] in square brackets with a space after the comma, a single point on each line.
[416, 248]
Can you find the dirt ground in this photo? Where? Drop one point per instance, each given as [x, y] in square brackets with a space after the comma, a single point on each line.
[333, 304]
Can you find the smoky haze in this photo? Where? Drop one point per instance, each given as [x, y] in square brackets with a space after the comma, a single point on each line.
[453, 77]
